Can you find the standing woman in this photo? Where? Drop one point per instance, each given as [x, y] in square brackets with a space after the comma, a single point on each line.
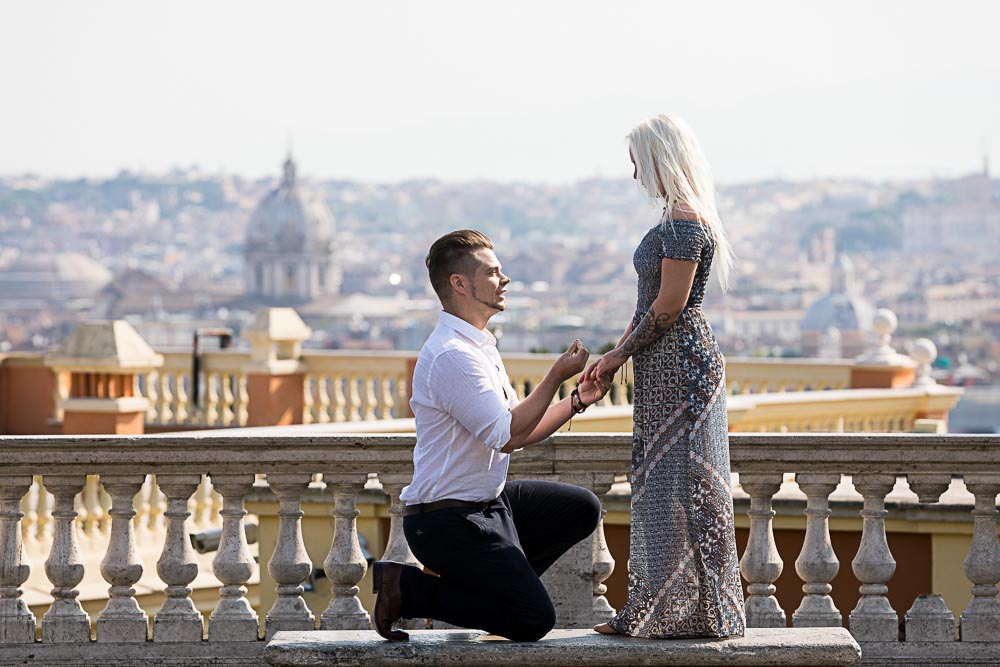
[684, 578]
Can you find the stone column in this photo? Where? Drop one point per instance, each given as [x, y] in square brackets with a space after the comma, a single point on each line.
[981, 619]
[122, 621]
[17, 623]
[345, 565]
[233, 618]
[178, 620]
[65, 621]
[102, 360]
[276, 373]
[761, 565]
[874, 619]
[290, 564]
[396, 547]
[817, 563]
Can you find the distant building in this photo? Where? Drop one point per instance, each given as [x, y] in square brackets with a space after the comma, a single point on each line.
[967, 222]
[289, 252]
[49, 278]
[840, 320]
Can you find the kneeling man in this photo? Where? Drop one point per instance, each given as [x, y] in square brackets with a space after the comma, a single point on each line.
[488, 540]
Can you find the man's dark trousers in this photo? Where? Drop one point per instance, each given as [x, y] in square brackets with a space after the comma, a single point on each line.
[490, 559]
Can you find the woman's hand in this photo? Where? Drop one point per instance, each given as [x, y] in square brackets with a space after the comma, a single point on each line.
[592, 391]
[606, 366]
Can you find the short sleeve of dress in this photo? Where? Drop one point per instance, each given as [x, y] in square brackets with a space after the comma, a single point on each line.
[683, 240]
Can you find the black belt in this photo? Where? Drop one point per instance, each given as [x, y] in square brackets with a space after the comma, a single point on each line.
[448, 503]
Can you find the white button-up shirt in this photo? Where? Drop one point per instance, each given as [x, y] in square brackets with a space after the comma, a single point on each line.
[461, 400]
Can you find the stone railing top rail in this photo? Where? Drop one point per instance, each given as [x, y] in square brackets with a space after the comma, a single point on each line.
[563, 454]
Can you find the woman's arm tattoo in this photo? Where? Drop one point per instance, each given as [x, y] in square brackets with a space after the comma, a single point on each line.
[649, 329]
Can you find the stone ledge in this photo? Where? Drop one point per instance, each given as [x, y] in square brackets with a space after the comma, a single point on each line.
[193, 654]
[575, 648]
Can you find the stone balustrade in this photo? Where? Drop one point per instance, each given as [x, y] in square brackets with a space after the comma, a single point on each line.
[121, 505]
[365, 386]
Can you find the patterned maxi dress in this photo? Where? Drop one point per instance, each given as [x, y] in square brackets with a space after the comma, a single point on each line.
[684, 578]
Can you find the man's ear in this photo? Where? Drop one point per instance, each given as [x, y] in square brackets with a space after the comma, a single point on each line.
[459, 283]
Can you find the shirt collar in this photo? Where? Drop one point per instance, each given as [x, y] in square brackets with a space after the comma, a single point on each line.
[480, 337]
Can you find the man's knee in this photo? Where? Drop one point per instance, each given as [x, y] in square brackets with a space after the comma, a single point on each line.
[592, 510]
[534, 626]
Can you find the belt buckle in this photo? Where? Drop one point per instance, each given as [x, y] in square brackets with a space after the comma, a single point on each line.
[486, 508]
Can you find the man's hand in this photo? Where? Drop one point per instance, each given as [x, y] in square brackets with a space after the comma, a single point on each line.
[571, 362]
[591, 391]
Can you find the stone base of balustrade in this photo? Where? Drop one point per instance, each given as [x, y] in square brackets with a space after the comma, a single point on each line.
[576, 648]
[929, 654]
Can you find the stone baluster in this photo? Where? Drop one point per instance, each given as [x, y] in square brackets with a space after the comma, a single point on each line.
[369, 401]
[203, 503]
[156, 507]
[142, 510]
[928, 486]
[29, 520]
[310, 383]
[290, 564]
[604, 563]
[981, 619]
[94, 513]
[151, 380]
[213, 415]
[576, 581]
[385, 398]
[165, 398]
[43, 508]
[874, 619]
[241, 406]
[178, 620]
[761, 565]
[396, 547]
[180, 406]
[345, 564]
[17, 623]
[226, 410]
[402, 397]
[233, 618]
[353, 395]
[65, 621]
[817, 563]
[322, 398]
[338, 403]
[121, 620]
[930, 620]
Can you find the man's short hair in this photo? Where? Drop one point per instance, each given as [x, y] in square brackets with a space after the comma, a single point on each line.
[451, 254]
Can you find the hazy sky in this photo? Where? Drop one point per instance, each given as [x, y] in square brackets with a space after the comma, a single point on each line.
[538, 91]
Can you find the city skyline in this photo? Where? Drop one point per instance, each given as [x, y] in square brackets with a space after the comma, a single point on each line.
[534, 93]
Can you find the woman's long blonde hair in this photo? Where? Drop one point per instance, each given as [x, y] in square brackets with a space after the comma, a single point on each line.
[673, 171]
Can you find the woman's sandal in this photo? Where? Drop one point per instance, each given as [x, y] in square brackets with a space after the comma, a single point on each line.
[605, 629]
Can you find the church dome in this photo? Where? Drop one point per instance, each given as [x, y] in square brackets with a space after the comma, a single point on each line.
[286, 221]
[841, 308]
[841, 311]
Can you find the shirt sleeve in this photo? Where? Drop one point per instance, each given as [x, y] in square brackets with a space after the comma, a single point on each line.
[466, 391]
[683, 240]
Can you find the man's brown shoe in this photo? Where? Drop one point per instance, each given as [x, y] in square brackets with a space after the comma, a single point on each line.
[386, 576]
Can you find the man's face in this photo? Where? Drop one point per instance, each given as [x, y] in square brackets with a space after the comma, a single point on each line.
[489, 284]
